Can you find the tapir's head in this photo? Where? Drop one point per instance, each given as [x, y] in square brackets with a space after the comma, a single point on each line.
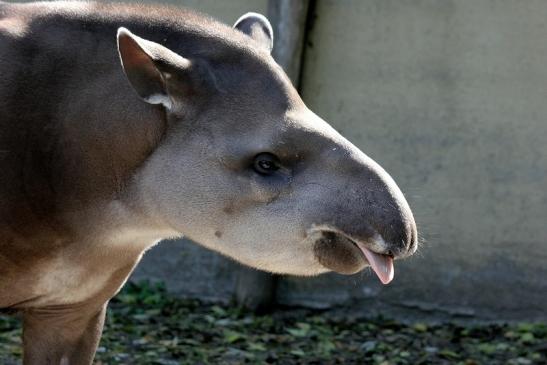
[244, 168]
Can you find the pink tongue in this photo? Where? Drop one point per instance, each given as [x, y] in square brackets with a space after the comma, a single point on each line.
[381, 264]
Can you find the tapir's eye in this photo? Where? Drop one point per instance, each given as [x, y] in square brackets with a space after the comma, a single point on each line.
[265, 163]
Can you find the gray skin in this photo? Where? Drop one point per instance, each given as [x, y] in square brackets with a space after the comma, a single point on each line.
[109, 144]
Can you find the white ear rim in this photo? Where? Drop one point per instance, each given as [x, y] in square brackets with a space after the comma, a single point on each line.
[263, 20]
[123, 31]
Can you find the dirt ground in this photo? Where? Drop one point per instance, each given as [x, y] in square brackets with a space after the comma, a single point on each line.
[145, 325]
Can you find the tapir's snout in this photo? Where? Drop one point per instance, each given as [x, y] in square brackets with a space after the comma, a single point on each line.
[370, 221]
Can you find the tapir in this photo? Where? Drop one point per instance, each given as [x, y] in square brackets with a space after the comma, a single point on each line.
[123, 125]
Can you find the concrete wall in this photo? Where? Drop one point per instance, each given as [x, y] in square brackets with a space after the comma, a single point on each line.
[451, 98]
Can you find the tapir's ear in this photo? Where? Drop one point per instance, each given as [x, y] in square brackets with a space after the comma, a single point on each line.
[257, 27]
[147, 64]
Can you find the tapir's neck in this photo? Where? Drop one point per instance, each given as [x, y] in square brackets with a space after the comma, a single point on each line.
[121, 223]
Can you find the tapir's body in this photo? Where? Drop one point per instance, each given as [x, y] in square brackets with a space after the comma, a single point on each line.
[196, 131]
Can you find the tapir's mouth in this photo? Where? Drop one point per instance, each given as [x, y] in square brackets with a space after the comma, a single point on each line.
[342, 254]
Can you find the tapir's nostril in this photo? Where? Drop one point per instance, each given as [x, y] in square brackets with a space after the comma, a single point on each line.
[400, 238]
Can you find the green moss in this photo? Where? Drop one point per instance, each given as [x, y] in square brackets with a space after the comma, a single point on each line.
[145, 325]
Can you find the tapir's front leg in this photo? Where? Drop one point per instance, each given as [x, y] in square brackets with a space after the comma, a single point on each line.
[62, 336]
